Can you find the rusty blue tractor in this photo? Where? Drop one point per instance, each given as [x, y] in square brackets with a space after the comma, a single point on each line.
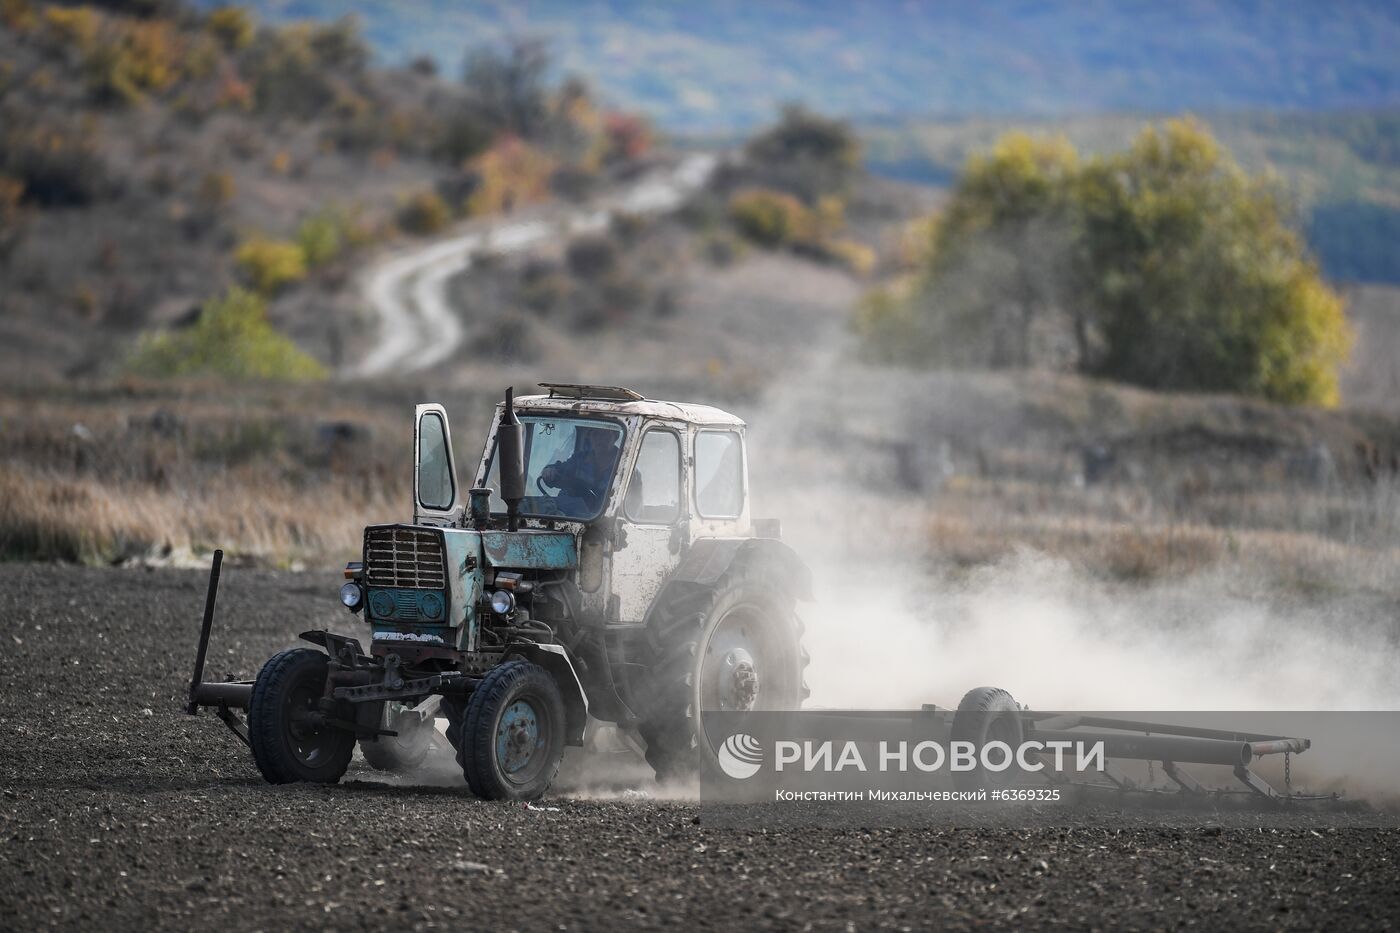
[603, 565]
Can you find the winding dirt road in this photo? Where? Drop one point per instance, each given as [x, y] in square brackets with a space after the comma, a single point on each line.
[408, 291]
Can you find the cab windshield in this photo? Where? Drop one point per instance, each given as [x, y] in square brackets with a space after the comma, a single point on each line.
[569, 466]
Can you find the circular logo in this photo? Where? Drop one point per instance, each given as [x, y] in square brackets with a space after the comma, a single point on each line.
[740, 756]
[381, 603]
[431, 605]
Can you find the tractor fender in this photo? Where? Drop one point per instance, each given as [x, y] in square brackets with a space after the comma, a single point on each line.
[555, 659]
[709, 559]
[334, 645]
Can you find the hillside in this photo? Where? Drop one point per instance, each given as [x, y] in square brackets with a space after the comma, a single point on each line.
[727, 64]
[152, 156]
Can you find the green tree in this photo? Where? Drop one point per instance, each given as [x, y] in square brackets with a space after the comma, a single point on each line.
[805, 154]
[997, 273]
[1196, 278]
[1165, 265]
[232, 338]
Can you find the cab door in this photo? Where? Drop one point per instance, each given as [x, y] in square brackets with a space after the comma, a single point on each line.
[435, 496]
[651, 529]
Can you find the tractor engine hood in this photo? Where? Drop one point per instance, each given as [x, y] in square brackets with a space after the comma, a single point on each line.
[425, 584]
[529, 550]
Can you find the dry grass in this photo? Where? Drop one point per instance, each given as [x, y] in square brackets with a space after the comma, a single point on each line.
[153, 473]
[253, 515]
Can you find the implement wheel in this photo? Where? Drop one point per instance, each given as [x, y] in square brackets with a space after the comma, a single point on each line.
[290, 741]
[987, 714]
[405, 751]
[512, 738]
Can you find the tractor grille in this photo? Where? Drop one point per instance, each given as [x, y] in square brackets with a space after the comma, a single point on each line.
[407, 558]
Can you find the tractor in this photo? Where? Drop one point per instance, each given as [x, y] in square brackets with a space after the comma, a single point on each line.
[603, 566]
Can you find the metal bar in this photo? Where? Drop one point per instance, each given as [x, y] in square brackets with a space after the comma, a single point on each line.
[235, 724]
[1257, 784]
[1185, 781]
[193, 707]
[1155, 728]
[1155, 747]
[1280, 746]
[236, 695]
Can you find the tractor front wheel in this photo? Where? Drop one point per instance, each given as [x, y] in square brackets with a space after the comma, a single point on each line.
[512, 736]
[290, 738]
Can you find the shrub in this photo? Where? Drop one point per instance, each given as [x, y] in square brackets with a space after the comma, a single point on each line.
[234, 26]
[268, 265]
[129, 58]
[57, 163]
[424, 213]
[321, 237]
[855, 257]
[216, 189]
[75, 26]
[592, 257]
[628, 137]
[770, 218]
[233, 339]
[806, 154]
[509, 174]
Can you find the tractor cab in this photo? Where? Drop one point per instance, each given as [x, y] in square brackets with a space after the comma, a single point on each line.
[632, 480]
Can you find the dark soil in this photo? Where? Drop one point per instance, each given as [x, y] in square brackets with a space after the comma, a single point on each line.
[121, 812]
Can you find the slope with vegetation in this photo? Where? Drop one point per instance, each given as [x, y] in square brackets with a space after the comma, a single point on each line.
[152, 155]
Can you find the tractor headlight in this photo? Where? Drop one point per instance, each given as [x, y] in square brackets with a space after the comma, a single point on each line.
[502, 602]
[351, 596]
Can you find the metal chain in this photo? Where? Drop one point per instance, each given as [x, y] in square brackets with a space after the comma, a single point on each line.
[1288, 774]
[1151, 772]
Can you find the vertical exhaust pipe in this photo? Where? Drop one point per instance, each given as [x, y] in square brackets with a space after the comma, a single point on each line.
[510, 453]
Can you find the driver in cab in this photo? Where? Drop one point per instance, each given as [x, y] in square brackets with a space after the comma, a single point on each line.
[585, 474]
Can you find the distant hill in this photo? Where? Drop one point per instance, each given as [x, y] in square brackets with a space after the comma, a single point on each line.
[726, 64]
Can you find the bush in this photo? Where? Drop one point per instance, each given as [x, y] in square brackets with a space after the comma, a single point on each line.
[628, 137]
[126, 59]
[509, 174]
[321, 237]
[855, 257]
[806, 155]
[424, 213]
[233, 339]
[233, 26]
[57, 163]
[592, 257]
[216, 190]
[770, 218]
[268, 265]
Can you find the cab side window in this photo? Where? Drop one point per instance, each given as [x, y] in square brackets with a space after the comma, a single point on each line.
[654, 491]
[719, 474]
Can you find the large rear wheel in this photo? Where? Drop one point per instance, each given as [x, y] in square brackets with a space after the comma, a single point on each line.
[290, 739]
[734, 647]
